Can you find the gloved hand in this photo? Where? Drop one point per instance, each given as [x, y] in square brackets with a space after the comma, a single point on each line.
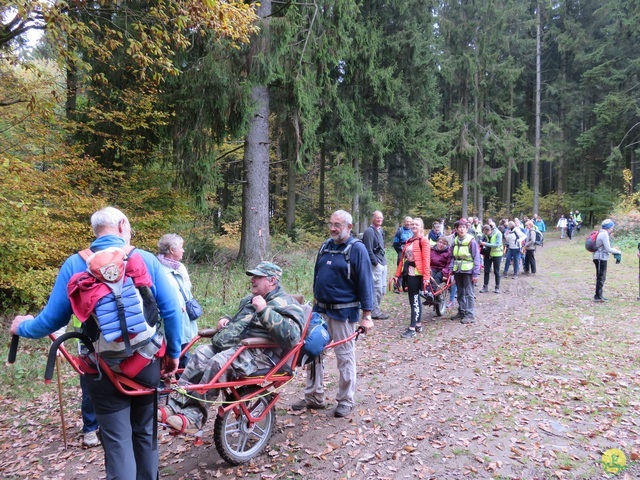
[618, 257]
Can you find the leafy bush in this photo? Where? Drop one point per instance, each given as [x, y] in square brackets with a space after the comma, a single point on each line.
[46, 208]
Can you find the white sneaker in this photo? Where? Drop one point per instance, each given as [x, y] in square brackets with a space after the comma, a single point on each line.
[91, 439]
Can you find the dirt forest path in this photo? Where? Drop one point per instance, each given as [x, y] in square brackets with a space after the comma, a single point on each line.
[538, 388]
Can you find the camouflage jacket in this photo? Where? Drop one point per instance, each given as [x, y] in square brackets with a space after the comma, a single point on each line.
[281, 321]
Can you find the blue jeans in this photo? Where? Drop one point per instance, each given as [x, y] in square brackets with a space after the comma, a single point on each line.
[512, 254]
[89, 420]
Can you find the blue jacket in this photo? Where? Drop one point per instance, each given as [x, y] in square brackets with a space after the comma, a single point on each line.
[57, 312]
[540, 224]
[331, 284]
[401, 237]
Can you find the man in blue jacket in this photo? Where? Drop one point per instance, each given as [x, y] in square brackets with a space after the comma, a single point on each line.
[127, 427]
[403, 234]
[342, 286]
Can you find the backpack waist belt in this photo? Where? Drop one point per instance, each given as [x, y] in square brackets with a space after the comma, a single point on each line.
[337, 306]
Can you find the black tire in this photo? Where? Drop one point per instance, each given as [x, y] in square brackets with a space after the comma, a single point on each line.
[235, 440]
[441, 303]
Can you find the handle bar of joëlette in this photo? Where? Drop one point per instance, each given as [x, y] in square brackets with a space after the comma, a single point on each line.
[51, 358]
[57, 344]
[13, 349]
[354, 336]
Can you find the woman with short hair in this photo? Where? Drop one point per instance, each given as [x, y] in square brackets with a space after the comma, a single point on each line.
[170, 253]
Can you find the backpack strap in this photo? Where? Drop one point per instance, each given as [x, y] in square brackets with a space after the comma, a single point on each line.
[179, 287]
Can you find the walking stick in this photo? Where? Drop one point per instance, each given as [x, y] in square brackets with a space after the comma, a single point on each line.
[64, 427]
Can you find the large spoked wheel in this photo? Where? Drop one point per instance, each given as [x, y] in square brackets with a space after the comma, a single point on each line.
[441, 303]
[237, 441]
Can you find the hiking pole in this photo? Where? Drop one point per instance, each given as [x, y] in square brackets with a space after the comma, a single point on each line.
[638, 272]
[64, 426]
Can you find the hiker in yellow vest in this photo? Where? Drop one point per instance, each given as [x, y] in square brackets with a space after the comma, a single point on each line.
[466, 268]
[493, 242]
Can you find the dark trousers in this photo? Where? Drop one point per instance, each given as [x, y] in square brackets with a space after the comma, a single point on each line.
[466, 298]
[601, 276]
[530, 261]
[127, 426]
[415, 285]
[488, 262]
[89, 420]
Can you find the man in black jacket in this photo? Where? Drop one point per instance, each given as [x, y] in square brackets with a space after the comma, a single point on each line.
[373, 239]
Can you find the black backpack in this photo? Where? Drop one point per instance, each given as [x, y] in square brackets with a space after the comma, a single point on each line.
[346, 252]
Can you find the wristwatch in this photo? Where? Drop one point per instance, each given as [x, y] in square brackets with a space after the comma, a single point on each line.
[368, 317]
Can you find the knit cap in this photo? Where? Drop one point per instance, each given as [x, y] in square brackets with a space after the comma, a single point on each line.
[607, 224]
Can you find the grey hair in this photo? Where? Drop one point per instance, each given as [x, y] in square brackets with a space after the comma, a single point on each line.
[107, 217]
[346, 216]
[169, 241]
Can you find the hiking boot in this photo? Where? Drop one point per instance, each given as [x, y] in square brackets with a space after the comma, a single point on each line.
[90, 439]
[418, 328]
[304, 404]
[484, 289]
[467, 320]
[342, 410]
[408, 333]
[497, 290]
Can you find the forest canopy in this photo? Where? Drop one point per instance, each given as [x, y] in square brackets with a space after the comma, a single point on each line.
[244, 119]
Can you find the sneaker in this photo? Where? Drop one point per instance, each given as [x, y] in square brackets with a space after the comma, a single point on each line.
[451, 304]
[600, 299]
[304, 404]
[408, 333]
[497, 290]
[418, 328]
[484, 289]
[90, 439]
[342, 410]
[380, 316]
[467, 320]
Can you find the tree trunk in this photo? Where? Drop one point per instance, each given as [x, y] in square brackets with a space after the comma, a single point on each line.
[321, 194]
[291, 183]
[255, 240]
[536, 162]
[355, 203]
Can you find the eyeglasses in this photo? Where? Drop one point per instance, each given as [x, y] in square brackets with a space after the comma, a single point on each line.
[338, 226]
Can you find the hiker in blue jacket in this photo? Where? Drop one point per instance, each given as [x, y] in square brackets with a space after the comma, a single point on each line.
[341, 288]
[127, 423]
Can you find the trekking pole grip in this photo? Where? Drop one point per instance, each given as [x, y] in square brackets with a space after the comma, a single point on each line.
[13, 349]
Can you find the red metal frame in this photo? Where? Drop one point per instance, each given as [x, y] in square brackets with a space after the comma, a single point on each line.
[272, 380]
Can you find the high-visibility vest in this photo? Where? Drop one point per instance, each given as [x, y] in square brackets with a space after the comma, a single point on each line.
[495, 251]
[463, 260]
